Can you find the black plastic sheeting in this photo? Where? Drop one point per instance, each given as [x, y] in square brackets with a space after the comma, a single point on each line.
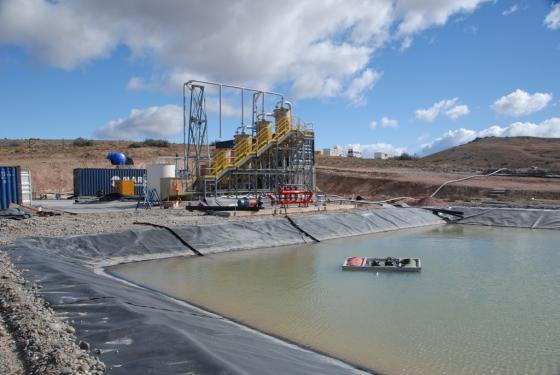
[140, 331]
[511, 217]
[15, 214]
[326, 227]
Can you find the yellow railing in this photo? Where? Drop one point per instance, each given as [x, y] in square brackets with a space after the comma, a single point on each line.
[222, 160]
[283, 126]
[243, 147]
[305, 129]
[264, 135]
[283, 118]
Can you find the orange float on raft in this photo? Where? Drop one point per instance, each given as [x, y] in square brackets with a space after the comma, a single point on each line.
[356, 261]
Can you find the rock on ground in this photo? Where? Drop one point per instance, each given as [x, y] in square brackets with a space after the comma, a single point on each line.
[44, 343]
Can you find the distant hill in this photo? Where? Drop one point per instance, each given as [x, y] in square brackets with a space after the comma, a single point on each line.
[480, 154]
[51, 161]
[494, 152]
[382, 179]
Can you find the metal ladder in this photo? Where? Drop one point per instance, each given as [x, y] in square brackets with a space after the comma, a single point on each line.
[151, 198]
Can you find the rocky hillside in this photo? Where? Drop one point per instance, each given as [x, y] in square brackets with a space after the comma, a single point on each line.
[492, 152]
[480, 154]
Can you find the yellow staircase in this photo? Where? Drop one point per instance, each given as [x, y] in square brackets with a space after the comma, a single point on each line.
[245, 149]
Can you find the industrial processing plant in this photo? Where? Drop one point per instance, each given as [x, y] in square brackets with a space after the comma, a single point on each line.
[270, 156]
[238, 187]
[268, 152]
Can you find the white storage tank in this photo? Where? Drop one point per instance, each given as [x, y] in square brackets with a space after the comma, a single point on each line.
[155, 172]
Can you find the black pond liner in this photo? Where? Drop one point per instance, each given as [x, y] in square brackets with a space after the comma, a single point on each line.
[141, 331]
[511, 217]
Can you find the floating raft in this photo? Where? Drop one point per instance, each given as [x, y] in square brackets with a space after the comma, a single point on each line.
[389, 264]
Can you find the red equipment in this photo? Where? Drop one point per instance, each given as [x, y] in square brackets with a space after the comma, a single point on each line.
[291, 195]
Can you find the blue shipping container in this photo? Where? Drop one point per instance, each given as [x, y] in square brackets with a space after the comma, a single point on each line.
[10, 186]
[89, 182]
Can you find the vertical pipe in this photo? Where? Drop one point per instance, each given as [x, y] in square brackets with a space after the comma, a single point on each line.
[216, 186]
[242, 110]
[220, 111]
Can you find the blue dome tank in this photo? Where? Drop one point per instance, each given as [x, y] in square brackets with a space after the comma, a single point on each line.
[117, 158]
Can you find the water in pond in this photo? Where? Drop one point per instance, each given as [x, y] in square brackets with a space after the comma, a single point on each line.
[487, 300]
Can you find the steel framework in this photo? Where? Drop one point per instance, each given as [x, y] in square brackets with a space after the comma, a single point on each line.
[197, 129]
[260, 161]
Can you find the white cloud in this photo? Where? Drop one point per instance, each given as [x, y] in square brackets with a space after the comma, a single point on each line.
[57, 35]
[137, 84]
[458, 111]
[406, 43]
[155, 122]
[313, 86]
[420, 15]
[228, 109]
[546, 129]
[446, 106]
[552, 20]
[520, 103]
[367, 150]
[431, 113]
[314, 51]
[514, 8]
[386, 122]
[448, 139]
[362, 84]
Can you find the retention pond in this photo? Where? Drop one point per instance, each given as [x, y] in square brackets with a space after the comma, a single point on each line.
[487, 299]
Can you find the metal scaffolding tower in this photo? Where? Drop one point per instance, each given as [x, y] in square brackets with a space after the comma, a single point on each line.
[197, 129]
[272, 152]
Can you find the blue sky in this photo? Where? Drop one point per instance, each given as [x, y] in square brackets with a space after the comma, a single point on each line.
[381, 75]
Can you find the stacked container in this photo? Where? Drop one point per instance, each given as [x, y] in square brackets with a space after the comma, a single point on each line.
[10, 186]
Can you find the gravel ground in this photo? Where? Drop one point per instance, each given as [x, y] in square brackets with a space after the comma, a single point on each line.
[67, 224]
[10, 364]
[45, 343]
[33, 339]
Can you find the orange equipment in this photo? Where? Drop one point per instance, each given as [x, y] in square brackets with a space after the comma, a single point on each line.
[292, 195]
[124, 187]
[356, 261]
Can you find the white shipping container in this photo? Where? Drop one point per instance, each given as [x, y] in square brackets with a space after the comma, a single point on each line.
[26, 188]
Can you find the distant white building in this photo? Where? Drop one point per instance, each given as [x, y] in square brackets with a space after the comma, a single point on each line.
[354, 154]
[333, 151]
[380, 155]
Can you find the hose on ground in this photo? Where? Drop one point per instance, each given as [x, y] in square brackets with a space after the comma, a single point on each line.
[465, 178]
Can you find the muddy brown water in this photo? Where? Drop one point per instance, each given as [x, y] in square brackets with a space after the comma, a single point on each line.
[487, 300]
